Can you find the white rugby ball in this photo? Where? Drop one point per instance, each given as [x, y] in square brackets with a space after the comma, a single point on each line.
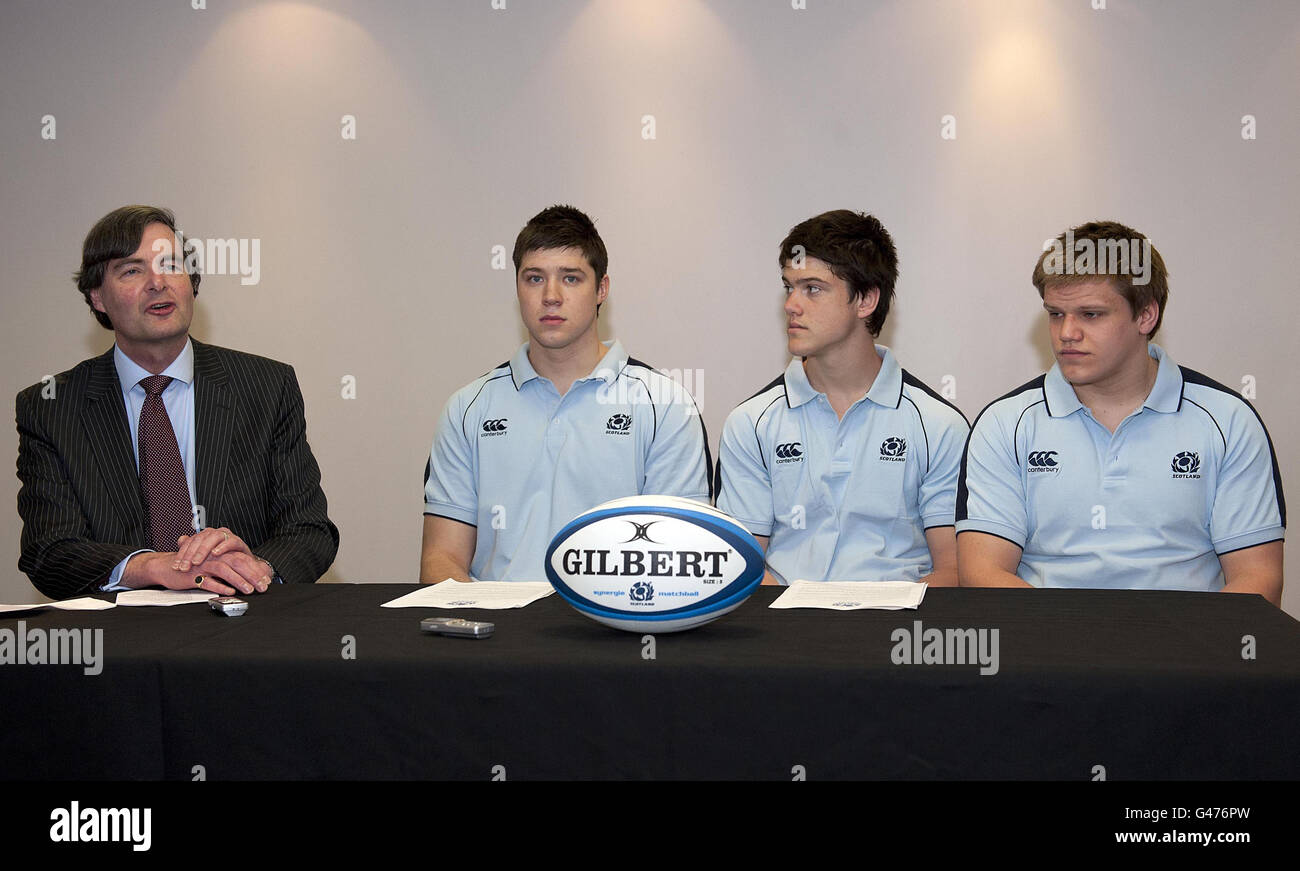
[654, 563]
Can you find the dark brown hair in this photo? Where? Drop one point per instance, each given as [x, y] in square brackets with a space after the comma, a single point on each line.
[118, 235]
[563, 227]
[857, 248]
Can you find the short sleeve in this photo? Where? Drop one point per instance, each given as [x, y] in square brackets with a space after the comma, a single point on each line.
[990, 487]
[450, 476]
[677, 462]
[744, 483]
[937, 500]
[1248, 497]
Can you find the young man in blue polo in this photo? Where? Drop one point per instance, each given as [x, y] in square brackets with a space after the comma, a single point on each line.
[567, 423]
[845, 467]
[1118, 468]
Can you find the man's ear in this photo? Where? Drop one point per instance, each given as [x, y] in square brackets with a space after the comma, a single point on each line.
[602, 289]
[96, 301]
[867, 303]
[1146, 319]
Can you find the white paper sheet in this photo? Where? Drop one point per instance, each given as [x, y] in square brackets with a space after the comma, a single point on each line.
[496, 595]
[163, 597]
[85, 603]
[852, 595]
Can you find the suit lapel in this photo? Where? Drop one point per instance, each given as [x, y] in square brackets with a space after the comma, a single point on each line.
[109, 434]
[212, 427]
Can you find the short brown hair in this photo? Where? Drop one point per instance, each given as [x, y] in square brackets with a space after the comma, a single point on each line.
[118, 235]
[1048, 272]
[563, 227]
[859, 251]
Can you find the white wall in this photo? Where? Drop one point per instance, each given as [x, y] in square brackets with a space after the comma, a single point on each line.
[376, 253]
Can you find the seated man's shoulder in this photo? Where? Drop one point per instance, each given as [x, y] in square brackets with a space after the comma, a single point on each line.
[760, 404]
[1015, 403]
[931, 404]
[240, 362]
[495, 378]
[477, 402]
[1217, 400]
[71, 384]
[652, 384]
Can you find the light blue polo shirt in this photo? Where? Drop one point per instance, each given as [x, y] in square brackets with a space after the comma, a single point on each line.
[843, 499]
[518, 461]
[1188, 476]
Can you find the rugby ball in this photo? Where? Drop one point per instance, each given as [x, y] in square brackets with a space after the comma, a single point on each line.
[654, 563]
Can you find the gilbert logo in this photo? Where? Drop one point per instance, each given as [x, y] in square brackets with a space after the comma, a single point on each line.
[642, 532]
[619, 424]
[1186, 464]
[495, 427]
[102, 825]
[1043, 461]
[894, 449]
[790, 452]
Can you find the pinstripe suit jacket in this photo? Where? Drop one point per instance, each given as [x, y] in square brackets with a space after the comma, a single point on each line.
[80, 500]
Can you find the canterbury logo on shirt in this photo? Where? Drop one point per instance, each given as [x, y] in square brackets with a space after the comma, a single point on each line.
[495, 427]
[790, 452]
[1044, 461]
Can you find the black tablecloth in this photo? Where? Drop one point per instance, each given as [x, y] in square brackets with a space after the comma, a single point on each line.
[1090, 684]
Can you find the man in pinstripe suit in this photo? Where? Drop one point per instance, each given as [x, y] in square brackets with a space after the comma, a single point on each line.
[109, 449]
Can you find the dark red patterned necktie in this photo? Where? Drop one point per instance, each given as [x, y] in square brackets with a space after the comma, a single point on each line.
[162, 476]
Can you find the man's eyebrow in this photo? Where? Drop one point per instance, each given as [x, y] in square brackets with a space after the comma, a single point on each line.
[820, 279]
[127, 261]
[576, 269]
[1085, 306]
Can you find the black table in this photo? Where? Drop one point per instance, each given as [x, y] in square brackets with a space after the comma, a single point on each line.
[1090, 684]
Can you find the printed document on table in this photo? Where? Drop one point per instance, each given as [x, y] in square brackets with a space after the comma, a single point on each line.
[163, 597]
[479, 594]
[85, 603]
[852, 595]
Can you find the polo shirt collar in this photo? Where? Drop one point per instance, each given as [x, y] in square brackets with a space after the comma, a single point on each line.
[886, 391]
[1059, 393]
[1165, 395]
[130, 372]
[607, 369]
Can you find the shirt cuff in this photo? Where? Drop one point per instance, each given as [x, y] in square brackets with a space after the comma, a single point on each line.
[115, 577]
[1249, 539]
[941, 518]
[755, 527]
[992, 527]
[452, 512]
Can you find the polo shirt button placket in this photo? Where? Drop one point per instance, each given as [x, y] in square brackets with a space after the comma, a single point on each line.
[554, 434]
